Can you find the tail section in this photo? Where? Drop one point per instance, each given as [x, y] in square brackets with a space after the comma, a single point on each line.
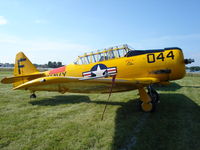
[24, 71]
[23, 65]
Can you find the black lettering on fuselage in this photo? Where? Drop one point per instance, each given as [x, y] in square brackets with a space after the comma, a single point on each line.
[64, 74]
[61, 74]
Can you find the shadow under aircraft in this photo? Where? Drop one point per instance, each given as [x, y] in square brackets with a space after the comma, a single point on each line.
[174, 126]
[172, 87]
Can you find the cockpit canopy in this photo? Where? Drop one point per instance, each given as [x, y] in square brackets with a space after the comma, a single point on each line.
[105, 54]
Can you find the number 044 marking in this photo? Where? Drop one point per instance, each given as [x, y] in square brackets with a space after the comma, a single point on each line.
[151, 58]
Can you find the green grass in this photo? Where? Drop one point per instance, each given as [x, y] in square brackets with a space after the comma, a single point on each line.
[73, 121]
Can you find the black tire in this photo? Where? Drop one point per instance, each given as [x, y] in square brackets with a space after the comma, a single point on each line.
[154, 99]
[138, 104]
[154, 95]
[153, 107]
[33, 96]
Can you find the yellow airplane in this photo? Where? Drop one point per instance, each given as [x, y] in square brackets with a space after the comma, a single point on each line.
[123, 68]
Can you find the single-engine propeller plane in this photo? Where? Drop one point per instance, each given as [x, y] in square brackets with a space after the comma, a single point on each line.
[95, 72]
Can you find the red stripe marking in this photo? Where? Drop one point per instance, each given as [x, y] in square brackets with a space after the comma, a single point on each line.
[57, 70]
[87, 74]
[112, 70]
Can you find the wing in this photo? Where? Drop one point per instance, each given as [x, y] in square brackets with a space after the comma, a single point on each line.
[44, 82]
[144, 81]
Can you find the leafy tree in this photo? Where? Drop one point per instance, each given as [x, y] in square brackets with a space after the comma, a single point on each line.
[54, 64]
[50, 64]
[194, 68]
[59, 64]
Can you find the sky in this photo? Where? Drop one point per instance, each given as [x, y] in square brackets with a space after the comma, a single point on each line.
[61, 30]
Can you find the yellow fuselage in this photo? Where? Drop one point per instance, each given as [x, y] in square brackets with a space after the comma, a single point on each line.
[163, 65]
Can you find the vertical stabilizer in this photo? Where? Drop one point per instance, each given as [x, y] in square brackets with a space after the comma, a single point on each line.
[23, 65]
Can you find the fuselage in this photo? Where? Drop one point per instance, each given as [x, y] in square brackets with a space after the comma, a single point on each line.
[165, 65]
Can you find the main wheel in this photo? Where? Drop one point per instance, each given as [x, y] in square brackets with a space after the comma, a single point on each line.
[153, 94]
[147, 107]
[139, 105]
[154, 99]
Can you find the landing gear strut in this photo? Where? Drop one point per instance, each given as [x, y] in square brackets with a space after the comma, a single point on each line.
[33, 95]
[153, 94]
[148, 100]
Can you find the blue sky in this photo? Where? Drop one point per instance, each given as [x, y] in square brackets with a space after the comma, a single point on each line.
[61, 30]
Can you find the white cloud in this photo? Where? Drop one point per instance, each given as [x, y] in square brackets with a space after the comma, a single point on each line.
[3, 20]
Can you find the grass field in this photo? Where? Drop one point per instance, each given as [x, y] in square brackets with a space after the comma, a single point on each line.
[73, 121]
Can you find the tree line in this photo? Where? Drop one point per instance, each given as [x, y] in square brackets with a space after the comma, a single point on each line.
[193, 68]
[50, 64]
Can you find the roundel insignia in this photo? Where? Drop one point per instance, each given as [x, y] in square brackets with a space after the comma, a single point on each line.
[100, 70]
[101, 66]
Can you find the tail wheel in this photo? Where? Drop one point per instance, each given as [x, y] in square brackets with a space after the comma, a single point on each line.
[33, 95]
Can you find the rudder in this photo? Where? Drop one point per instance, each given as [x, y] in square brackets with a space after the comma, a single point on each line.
[23, 65]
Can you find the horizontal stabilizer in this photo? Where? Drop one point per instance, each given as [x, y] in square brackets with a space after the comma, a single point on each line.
[23, 77]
